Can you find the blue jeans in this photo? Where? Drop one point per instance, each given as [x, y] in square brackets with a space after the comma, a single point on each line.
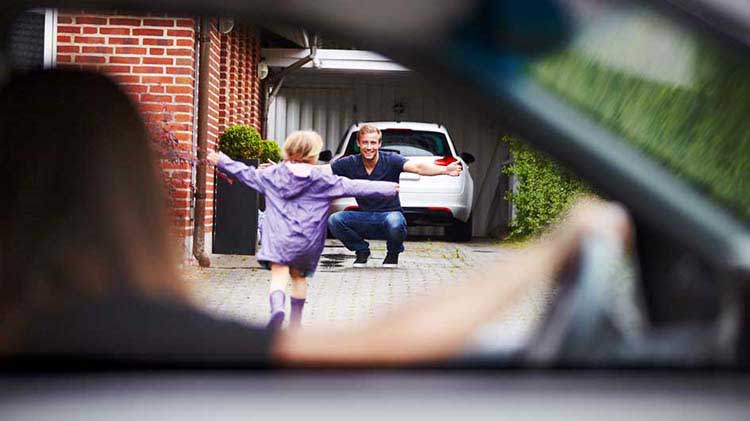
[352, 227]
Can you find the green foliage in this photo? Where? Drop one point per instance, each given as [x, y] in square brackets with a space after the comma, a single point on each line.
[544, 190]
[244, 142]
[269, 151]
[700, 131]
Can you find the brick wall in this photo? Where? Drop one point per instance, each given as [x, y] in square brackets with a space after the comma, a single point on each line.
[152, 56]
[240, 87]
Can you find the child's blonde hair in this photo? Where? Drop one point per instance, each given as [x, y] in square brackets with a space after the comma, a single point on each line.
[302, 146]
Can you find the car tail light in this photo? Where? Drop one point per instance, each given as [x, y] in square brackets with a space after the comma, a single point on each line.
[351, 208]
[440, 209]
[445, 161]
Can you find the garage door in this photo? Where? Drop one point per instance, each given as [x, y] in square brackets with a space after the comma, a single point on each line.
[329, 103]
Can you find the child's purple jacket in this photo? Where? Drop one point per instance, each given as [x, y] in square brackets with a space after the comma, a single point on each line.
[296, 216]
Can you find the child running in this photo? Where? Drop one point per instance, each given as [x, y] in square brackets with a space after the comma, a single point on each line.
[294, 225]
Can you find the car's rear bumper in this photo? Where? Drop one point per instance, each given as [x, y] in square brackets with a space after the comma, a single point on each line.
[428, 214]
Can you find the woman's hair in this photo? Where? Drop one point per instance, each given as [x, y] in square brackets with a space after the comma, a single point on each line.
[84, 213]
[303, 146]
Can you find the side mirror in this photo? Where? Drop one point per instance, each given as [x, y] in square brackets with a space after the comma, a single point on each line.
[325, 156]
[467, 157]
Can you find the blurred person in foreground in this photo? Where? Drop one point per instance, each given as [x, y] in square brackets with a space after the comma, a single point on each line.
[88, 271]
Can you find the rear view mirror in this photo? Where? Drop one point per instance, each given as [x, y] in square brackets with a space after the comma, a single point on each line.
[325, 156]
[467, 157]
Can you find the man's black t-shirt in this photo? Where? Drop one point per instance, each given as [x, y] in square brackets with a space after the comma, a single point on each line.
[389, 168]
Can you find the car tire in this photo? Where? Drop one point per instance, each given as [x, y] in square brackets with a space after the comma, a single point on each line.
[460, 232]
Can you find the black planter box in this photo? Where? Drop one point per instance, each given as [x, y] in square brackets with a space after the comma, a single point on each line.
[235, 229]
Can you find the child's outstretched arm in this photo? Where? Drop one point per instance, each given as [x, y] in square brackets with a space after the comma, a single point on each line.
[345, 187]
[247, 175]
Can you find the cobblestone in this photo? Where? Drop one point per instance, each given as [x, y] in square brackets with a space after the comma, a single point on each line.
[236, 287]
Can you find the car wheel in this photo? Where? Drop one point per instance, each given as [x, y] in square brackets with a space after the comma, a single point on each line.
[460, 231]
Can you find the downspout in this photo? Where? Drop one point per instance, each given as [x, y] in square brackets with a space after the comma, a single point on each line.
[204, 41]
[275, 81]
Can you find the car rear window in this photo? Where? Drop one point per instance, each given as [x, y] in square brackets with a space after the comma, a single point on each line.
[407, 142]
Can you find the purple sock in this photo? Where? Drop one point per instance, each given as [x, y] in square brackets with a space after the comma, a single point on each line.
[276, 299]
[295, 319]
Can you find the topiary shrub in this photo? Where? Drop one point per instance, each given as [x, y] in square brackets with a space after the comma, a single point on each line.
[240, 142]
[244, 142]
[544, 190]
[269, 151]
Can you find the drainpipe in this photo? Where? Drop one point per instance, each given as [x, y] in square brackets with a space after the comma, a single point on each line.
[204, 41]
[275, 81]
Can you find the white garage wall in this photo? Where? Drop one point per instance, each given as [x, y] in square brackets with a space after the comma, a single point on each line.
[329, 103]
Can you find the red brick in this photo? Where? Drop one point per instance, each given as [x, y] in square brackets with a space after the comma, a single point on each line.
[148, 69]
[156, 98]
[183, 118]
[63, 38]
[184, 62]
[158, 41]
[157, 60]
[180, 52]
[156, 89]
[68, 49]
[183, 99]
[151, 108]
[64, 20]
[63, 58]
[125, 60]
[157, 79]
[90, 30]
[130, 50]
[180, 33]
[135, 89]
[159, 22]
[176, 89]
[184, 43]
[149, 32]
[123, 41]
[90, 59]
[114, 31]
[96, 50]
[181, 80]
[156, 51]
[127, 78]
[61, 29]
[125, 21]
[89, 20]
[115, 69]
[89, 40]
[179, 71]
[185, 23]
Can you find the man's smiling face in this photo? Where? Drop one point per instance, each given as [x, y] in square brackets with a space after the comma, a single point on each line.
[369, 144]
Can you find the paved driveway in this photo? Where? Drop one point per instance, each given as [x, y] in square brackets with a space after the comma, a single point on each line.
[236, 287]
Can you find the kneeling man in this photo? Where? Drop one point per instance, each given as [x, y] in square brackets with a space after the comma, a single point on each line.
[377, 219]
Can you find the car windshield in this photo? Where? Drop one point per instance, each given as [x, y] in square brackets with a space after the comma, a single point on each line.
[676, 95]
[407, 142]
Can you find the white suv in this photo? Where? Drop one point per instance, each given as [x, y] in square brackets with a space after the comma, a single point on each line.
[439, 200]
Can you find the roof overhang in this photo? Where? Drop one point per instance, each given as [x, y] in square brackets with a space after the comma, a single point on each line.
[333, 60]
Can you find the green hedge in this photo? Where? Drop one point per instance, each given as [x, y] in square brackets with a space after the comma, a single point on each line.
[700, 131]
[544, 190]
[244, 142]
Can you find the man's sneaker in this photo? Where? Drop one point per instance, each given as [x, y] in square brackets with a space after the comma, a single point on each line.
[391, 260]
[361, 260]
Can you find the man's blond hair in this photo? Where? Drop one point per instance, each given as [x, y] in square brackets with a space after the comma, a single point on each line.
[367, 129]
[303, 146]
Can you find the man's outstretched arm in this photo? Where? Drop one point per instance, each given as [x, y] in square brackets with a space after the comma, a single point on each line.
[428, 168]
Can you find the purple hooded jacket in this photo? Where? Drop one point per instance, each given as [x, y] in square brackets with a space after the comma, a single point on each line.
[297, 200]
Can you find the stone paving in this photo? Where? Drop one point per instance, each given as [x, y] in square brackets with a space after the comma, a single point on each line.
[236, 287]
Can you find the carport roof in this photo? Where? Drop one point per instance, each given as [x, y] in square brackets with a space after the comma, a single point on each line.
[333, 60]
